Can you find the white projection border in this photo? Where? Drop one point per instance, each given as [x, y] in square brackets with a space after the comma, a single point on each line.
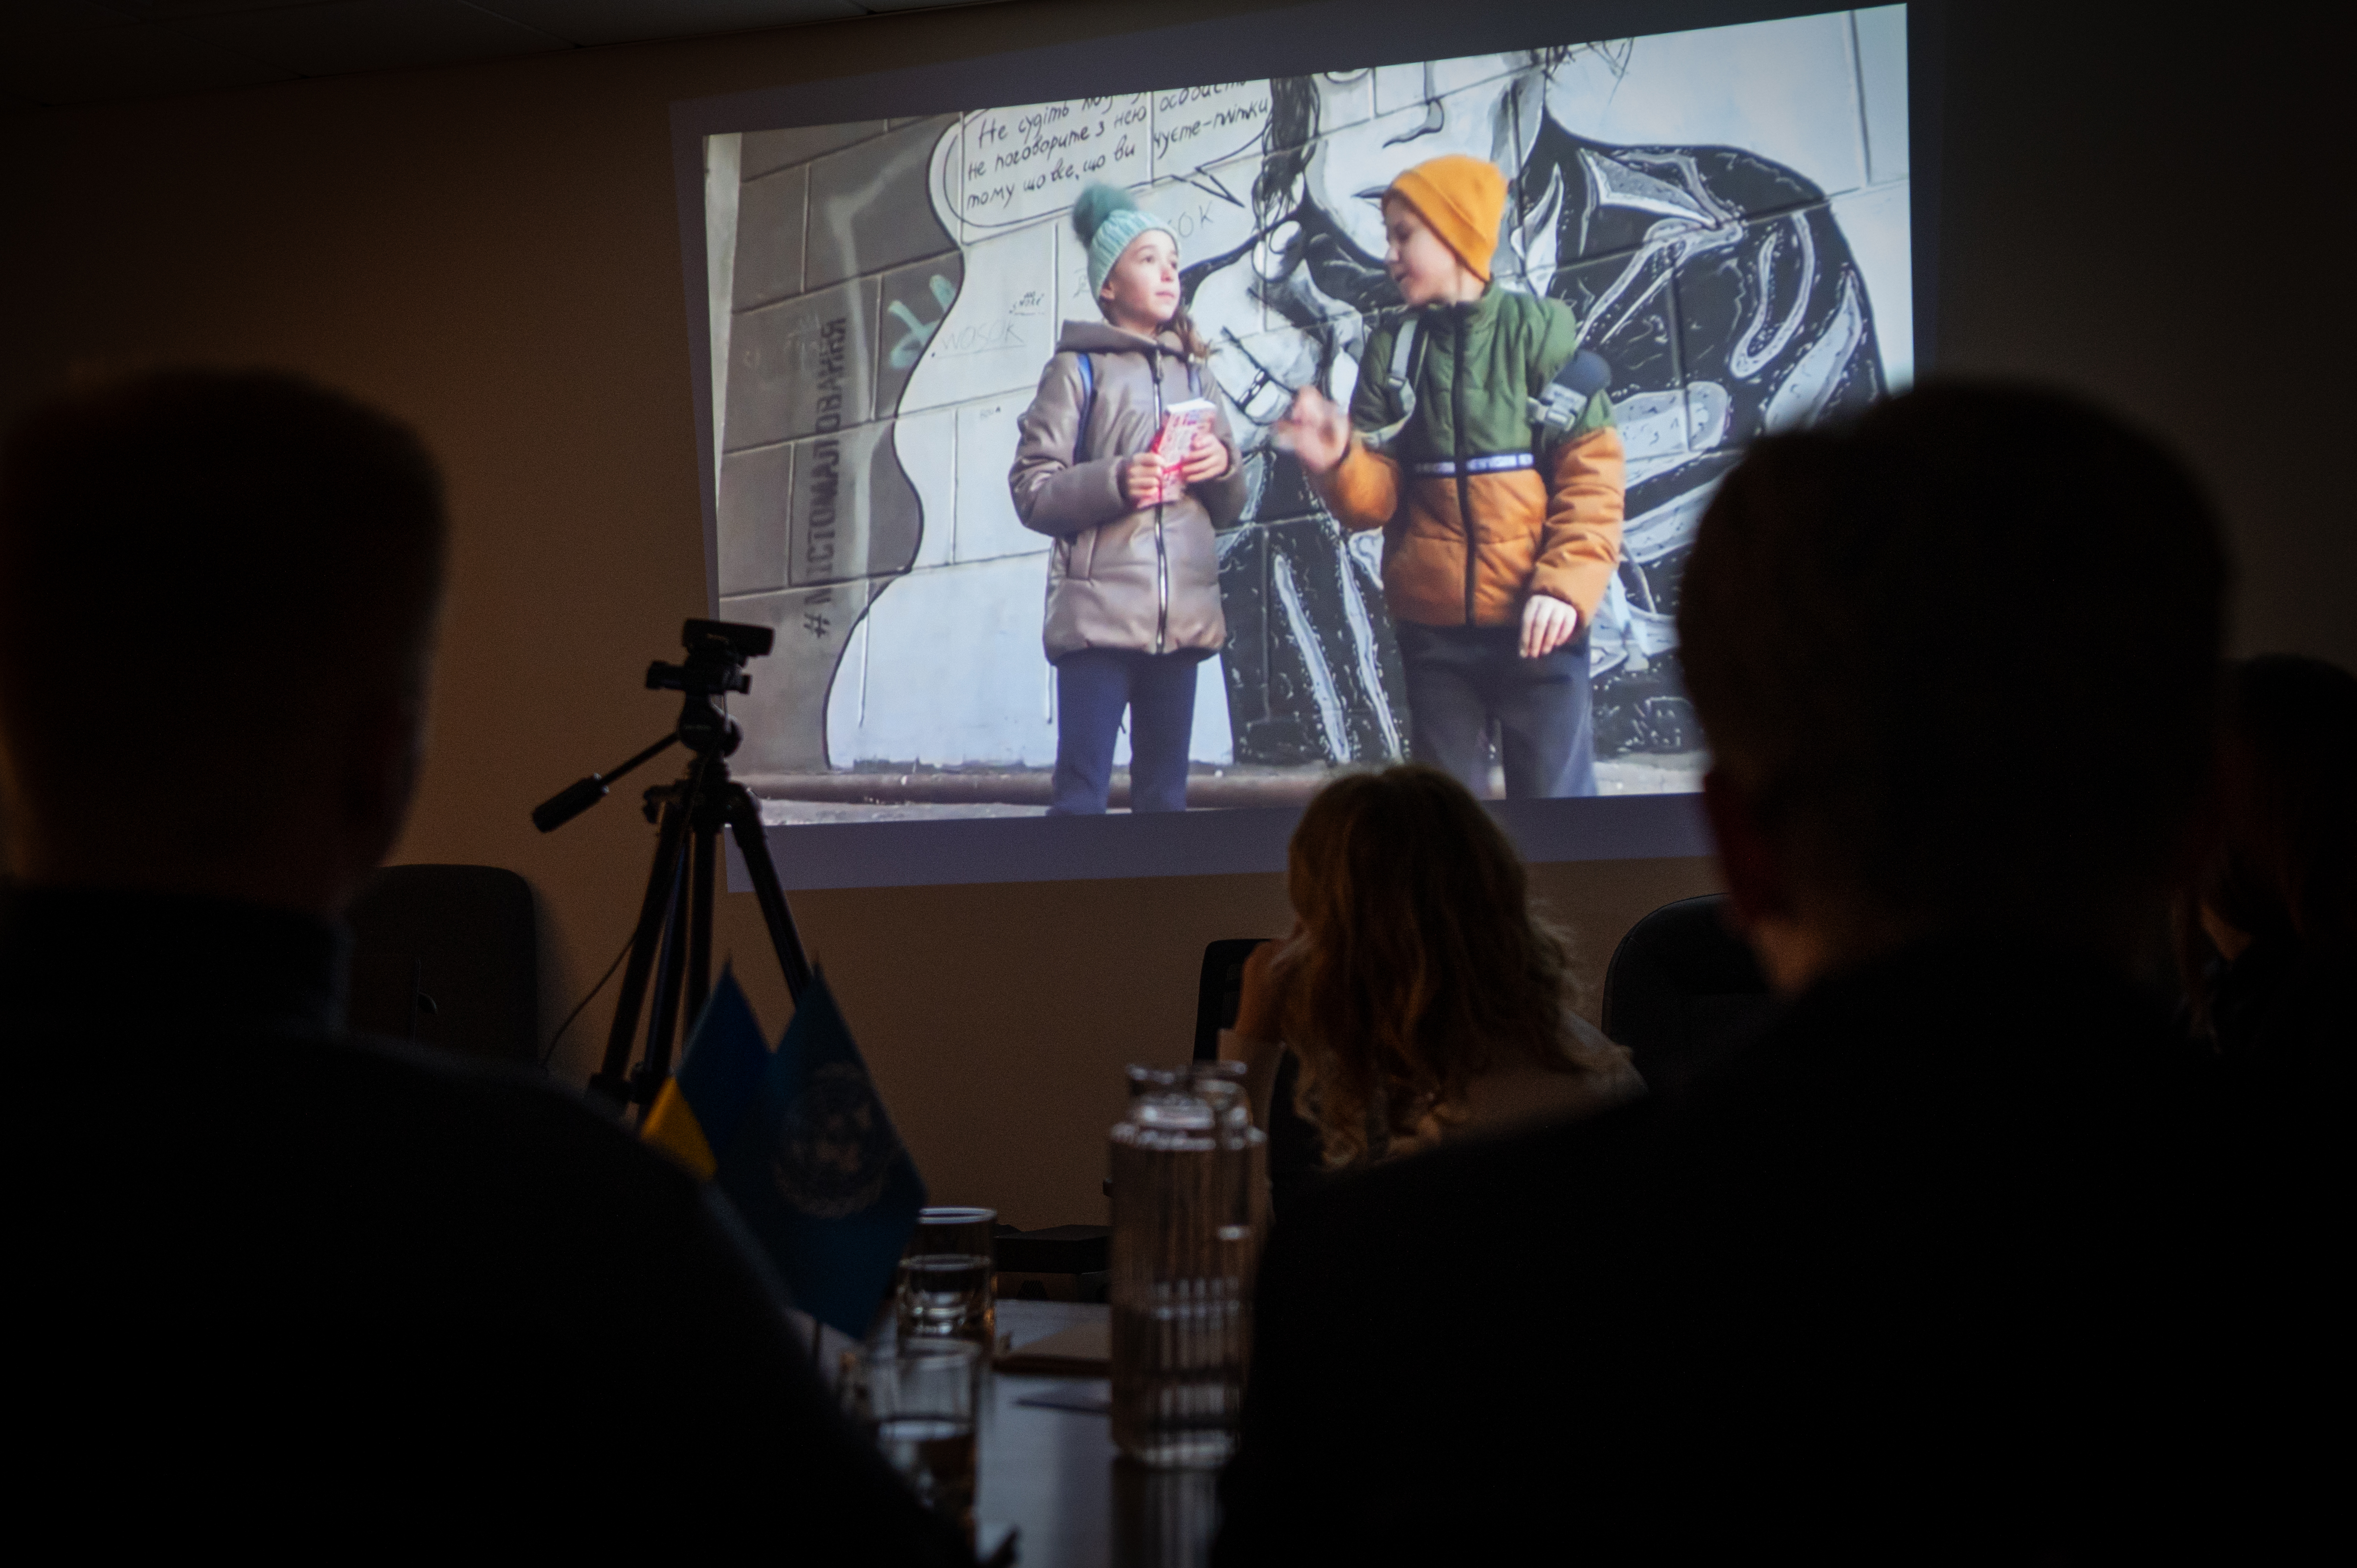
[1190, 844]
[1891, 250]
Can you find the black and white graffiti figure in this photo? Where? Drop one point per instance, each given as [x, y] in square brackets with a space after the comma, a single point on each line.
[1715, 282]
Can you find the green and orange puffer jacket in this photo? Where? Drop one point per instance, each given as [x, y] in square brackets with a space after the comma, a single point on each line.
[1545, 503]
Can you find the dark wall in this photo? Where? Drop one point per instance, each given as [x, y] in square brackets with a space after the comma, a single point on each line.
[492, 252]
[2149, 206]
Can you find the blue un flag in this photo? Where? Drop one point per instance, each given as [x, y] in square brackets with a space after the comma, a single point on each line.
[819, 1173]
[800, 1141]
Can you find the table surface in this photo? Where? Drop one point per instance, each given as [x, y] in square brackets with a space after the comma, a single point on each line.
[1054, 1473]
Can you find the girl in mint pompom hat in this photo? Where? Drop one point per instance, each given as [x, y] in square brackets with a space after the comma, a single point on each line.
[1109, 224]
[1134, 574]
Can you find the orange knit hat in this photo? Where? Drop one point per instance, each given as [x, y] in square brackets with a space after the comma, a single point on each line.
[1462, 198]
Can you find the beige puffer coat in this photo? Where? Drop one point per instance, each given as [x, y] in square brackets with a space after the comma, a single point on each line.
[1144, 580]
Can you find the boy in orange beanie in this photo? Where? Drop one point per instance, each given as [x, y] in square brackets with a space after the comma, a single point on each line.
[1482, 443]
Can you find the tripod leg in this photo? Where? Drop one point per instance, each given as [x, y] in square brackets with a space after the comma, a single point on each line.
[662, 1020]
[745, 818]
[612, 1081]
[699, 912]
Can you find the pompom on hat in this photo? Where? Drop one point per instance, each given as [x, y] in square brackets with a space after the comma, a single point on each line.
[1106, 220]
[1461, 199]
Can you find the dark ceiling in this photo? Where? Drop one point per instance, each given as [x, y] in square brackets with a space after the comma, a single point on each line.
[54, 52]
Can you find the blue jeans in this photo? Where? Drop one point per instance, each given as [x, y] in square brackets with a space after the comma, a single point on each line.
[1093, 687]
[1461, 677]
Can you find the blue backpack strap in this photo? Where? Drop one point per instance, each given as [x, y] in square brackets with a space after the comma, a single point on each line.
[1088, 407]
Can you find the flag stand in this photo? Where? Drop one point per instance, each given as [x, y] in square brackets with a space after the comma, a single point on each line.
[672, 944]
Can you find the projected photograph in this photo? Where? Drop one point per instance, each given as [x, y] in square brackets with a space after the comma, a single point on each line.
[1724, 213]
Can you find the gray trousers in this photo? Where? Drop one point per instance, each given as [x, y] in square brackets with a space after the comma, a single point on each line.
[1460, 678]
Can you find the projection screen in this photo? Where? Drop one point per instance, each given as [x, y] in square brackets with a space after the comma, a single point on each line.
[878, 271]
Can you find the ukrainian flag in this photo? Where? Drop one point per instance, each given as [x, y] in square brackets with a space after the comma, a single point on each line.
[800, 1143]
[701, 1107]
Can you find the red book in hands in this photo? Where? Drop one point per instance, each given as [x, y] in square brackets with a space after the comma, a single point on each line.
[1180, 422]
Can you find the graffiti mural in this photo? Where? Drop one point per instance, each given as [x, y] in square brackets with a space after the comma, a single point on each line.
[1726, 210]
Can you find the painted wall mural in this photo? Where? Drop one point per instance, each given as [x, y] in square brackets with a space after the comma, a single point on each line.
[1726, 210]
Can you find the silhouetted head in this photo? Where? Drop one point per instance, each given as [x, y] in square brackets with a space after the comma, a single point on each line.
[218, 596]
[1955, 660]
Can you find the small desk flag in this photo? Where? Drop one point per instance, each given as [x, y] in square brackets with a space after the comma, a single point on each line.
[800, 1143]
[703, 1104]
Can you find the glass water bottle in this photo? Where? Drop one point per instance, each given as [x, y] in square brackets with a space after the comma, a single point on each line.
[1189, 1205]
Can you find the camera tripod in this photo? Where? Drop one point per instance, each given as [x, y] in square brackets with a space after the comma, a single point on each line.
[671, 947]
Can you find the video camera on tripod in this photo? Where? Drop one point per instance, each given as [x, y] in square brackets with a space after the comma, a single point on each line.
[672, 944]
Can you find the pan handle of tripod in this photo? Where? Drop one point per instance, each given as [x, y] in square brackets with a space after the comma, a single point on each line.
[753, 844]
[580, 795]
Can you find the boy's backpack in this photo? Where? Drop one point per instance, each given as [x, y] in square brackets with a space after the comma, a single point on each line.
[1555, 410]
[1089, 401]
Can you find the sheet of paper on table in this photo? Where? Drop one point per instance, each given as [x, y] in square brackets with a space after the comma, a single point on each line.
[1093, 1398]
[1082, 1350]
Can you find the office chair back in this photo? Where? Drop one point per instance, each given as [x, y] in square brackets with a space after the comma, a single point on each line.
[1681, 989]
[1219, 991]
[1296, 1150]
[447, 956]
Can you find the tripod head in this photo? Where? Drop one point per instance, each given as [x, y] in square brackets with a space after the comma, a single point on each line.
[717, 652]
[714, 666]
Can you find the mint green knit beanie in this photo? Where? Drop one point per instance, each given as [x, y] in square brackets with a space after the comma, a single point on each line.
[1106, 220]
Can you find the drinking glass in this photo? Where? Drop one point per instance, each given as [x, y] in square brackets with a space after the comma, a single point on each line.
[916, 1399]
[945, 1276]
